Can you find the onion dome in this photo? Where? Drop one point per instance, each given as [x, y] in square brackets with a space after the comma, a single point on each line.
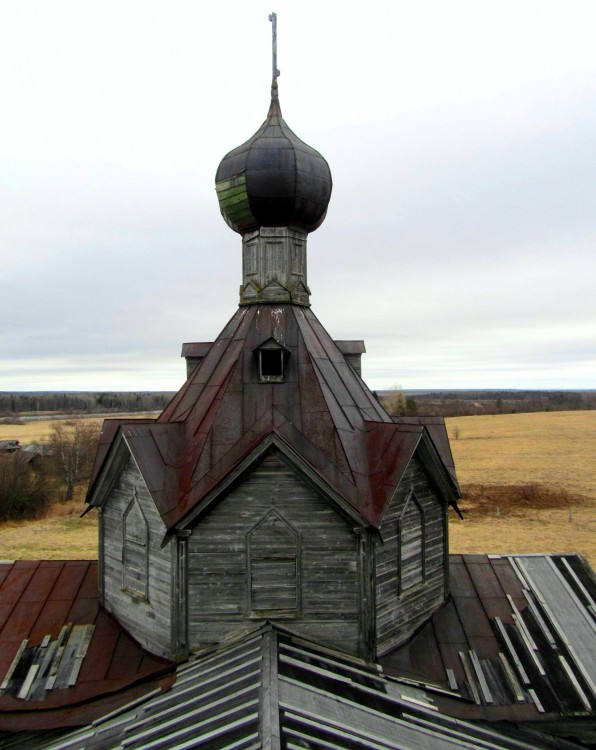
[274, 179]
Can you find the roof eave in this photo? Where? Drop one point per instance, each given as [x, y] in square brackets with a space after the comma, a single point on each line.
[311, 475]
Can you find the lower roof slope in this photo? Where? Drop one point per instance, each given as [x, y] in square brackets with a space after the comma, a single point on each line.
[516, 640]
[268, 688]
[514, 646]
[63, 660]
[322, 412]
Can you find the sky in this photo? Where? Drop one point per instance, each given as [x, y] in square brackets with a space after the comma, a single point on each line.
[460, 240]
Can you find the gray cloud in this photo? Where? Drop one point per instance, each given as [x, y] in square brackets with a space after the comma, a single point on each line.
[459, 240]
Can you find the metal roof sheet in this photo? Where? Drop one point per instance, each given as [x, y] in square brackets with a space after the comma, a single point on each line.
[51, 624]
[322, 411]
[269, 688]
[517, 637]
[466, 664]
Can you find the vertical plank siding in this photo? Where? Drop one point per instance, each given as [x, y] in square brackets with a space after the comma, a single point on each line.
[409, 578]
[273, 549]
[146, 614]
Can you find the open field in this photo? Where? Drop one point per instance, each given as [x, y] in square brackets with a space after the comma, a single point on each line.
[61, 535]
[36, 431]
[529, 483]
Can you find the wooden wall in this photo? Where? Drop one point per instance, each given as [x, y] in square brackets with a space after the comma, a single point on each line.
[141, 600]
[274, 549]
[411, 565]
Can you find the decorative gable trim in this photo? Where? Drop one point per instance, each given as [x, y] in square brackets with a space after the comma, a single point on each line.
[135, 550]
[110, 471]
[428, 456]
[273, 440]
[411, 544]
[273, 565]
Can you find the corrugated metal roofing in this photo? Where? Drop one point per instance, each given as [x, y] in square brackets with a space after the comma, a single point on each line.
[271, 689]
[323, 412]
[516, 639]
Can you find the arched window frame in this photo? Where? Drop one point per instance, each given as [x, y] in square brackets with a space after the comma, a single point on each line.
[135, 552]
[256, 558]
[404, 565]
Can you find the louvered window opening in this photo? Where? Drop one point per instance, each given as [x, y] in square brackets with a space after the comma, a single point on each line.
[134, 553]
[411, 545]
[271, 365]
[273, 554]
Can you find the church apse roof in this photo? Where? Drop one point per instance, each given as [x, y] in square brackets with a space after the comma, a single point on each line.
[322, 412]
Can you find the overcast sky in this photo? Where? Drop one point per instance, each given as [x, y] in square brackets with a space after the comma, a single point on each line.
[460, 242]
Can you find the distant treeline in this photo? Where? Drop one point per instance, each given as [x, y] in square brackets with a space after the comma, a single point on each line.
[467, 403]
[86, 402]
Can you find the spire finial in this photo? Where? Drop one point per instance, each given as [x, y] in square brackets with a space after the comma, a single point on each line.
[273, 19]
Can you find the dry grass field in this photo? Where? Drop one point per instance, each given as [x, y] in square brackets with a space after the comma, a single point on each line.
[528, 481]
[62, 534]
[529, 485]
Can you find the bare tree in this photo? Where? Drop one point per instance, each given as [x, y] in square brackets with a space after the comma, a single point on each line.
[395, 402]
[73, 446]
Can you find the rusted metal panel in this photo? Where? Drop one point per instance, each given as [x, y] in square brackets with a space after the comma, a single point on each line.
[93, 666]
[20, 622]
[69, 581]
[447, 625]
[508, 580]
[472, 614]
[484, 579]
[322, 401]
[49, 621]
[17, 579]
[502, 650]
[460, 582]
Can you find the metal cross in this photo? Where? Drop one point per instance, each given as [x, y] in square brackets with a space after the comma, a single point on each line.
[273, 19]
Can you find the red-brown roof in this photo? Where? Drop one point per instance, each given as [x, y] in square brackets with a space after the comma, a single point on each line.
[529, 614]
[37, 601]
[323, 412]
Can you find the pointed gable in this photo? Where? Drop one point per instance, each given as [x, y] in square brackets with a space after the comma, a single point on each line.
[320, 409]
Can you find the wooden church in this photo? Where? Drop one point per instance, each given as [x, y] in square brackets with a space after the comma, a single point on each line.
[274, 486]
[273, 550]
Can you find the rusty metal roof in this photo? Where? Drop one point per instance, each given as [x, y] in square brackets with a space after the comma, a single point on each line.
[516, 641]
[269, 688]
[322, 412]
[62, 658]
[470, 678]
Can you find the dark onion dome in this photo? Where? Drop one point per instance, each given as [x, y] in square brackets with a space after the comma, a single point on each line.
[274, 179]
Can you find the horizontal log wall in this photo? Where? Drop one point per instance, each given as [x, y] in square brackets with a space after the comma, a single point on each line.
[403, 604]
[147, 619]
[229, 549]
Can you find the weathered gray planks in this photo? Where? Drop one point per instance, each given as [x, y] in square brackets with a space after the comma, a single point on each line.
[410, 561]
[274, 549]
[137, 575]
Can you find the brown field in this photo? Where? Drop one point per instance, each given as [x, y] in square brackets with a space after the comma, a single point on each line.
[529, 485]
[62, 534]
[528, 481]
[34, 432]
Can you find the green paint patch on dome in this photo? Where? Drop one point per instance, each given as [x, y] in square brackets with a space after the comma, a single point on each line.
[233, 202]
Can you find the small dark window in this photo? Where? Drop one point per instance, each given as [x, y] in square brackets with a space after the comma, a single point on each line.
[271, 365]
[271, 360]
